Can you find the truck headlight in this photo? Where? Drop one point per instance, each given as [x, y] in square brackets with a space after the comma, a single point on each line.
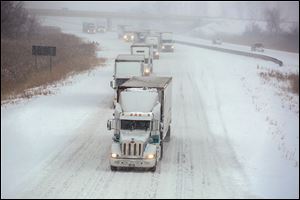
[114, 155]
[125, 37]
[163, 47]
[172, 47]
[132, 37]
[156, 53]
[146, 71]
[150, 156]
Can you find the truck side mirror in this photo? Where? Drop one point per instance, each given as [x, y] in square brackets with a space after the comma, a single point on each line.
[112, 84]
[155, 125]
[111, 124]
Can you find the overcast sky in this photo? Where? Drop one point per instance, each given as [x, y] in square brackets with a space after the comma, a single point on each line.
[246, 9]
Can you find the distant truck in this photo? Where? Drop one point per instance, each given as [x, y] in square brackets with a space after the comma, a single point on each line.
[154, 41]
[129, 36]
[147, 51]
[101, 28]
[140, 129]
[140, 36]
[127, 66]
[121, 30]
[167, 44]
[88, 27]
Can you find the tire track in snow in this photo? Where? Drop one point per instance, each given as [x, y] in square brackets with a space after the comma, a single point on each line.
[66, 167]
[233, 182]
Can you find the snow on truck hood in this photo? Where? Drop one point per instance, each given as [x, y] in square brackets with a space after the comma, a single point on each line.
[138, 135]
[138, 100]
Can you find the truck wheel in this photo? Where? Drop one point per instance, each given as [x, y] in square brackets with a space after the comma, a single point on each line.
[161, 150]
[113, 168]
[168, 136]
[153, 169]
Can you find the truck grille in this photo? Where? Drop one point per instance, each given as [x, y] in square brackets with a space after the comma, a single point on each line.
[132, 148]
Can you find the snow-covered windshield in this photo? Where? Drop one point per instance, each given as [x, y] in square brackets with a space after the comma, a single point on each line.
[135, 124]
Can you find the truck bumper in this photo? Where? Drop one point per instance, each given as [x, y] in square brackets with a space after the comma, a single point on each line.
[141, 163]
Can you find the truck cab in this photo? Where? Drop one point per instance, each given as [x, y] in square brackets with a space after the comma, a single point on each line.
[140, 36]
[121, 29]
[167, 44]
[88, 27]
[140, 129]
[101, 28]
[129, 36]
[154, 41]
[147, 51]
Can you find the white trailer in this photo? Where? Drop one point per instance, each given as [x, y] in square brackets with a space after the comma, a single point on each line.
[167, 43]
[127, 66]
[141, 128]
[155, 42]
[147, 51]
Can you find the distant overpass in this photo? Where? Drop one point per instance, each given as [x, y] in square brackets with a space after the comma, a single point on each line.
[134, 16]
[111, 15]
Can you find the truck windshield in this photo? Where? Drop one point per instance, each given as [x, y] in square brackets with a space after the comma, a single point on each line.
[135, 124]
[167, 41]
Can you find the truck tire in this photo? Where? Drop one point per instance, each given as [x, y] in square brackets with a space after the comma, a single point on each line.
[161, 149]
[113, 168]
[168, 135]
[153, 169]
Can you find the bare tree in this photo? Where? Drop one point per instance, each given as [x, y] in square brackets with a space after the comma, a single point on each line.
[273, 17]
[15, 21]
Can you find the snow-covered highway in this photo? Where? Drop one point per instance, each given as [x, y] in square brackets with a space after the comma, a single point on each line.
[221, 146]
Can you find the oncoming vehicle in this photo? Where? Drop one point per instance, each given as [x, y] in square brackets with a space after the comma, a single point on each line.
[257, 47]
[88, 27]
[101, 29]
[129, 36]
[217, 41]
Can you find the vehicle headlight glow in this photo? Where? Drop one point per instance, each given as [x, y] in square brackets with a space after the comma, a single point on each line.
[132, 37]
[163, 47]
[114, 155]
[150, 156]
[172, 47]
[125, 37]
[147, 71]
[156, 53]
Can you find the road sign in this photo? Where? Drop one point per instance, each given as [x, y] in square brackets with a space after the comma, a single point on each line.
[43, 51]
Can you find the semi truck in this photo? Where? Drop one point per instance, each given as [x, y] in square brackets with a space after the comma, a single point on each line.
[147, 51]
[140, 36]
[127, 66]
[121, 30]
[167, 44]
[88, 27]
[101, 28]
[154, 41]
[140, 129]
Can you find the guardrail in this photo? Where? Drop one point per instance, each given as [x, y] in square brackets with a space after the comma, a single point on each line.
[241, 53]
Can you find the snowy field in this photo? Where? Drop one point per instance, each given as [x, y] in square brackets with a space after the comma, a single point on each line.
[232, 135]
